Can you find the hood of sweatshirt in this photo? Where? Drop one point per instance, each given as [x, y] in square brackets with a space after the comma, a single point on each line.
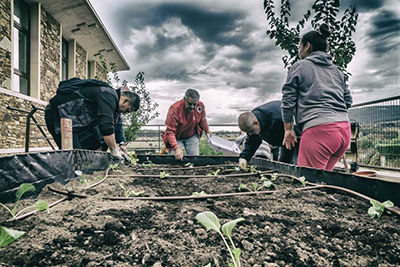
[319, 57]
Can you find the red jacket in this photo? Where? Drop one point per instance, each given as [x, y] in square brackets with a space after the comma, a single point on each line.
[180, 122]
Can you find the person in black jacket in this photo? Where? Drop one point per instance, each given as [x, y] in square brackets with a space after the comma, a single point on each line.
[89, 104]
[265, 123]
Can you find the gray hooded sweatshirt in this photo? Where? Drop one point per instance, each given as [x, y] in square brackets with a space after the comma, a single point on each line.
[315, 92]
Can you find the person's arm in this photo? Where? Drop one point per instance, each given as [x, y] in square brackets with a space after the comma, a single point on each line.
[172, 126]
[250, 147]
[106, 105]
[289, 103]
[119, 134]
[290, 93]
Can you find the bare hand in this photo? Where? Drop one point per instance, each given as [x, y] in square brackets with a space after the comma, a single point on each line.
[290, 139]
[178, 154]
[123, 148]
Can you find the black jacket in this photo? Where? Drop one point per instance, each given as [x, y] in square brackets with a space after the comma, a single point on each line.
[272, 129]
[87, 103]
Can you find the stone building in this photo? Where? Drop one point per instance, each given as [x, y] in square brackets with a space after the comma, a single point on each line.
[43, 42]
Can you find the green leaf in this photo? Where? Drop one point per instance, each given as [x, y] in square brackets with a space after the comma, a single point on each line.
[236, 252]
[388, 203]
[209, 220]
[7, 236]
[23, 188]
[231, 265]
[42, 205]
[303, 180]
[268, 184]
[227, 227]
[255, 186]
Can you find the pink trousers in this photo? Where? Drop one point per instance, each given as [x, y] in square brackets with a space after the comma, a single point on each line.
[322, 146]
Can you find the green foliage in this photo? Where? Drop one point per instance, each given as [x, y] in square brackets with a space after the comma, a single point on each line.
[146, 112]
[24, 188]
[211, 221]
[205, 149]
[202, 193]
[303, 180]
[163, 174]
[341, 46]
[252, 169]
[189, 164]
[7, 236]
[128, 192]
[265, 183]
[378, 208]
[113, 167]
[148, 163]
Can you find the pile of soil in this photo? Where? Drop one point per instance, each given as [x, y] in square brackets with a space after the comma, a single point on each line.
[291, 228]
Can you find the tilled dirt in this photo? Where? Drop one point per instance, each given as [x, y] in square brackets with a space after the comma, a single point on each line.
[290, 228]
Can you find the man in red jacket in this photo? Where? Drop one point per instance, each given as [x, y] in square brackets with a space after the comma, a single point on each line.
[186, 121]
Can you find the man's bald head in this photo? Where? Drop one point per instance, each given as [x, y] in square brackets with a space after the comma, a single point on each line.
[248, 123]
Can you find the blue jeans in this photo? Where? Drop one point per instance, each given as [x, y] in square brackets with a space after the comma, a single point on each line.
[191, 145]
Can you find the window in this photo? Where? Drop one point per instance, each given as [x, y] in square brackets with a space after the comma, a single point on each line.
[64, 63]
[88, 70]
[21, 47]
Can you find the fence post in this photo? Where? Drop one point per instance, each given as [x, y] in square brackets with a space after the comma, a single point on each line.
[66, 133]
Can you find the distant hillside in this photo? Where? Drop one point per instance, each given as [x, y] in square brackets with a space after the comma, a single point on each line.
[375, 114]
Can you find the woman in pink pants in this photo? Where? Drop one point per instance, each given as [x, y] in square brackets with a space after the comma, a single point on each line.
[316, 92]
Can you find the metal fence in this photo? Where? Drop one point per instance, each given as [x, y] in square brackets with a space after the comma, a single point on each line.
[379, 136]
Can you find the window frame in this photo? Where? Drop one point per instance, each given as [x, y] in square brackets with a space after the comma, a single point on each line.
[64, 42]
[27, 33]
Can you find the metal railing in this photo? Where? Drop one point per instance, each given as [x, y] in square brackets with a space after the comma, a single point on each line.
[379, 136]
[149, 136]
[30, 117]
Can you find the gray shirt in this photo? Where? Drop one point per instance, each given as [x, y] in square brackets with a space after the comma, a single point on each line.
[315, 92]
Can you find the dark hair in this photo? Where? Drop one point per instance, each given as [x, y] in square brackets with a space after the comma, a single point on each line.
[192, 93]
[317, 39]
[134, 99]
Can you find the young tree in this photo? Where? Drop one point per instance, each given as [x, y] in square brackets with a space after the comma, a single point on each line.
[147, 110]
[341, 46]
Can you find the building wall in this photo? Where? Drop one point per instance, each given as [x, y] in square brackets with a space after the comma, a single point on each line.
[81, 62]
[13, 123]
[50, 56]
[101, 74]
[5, 44]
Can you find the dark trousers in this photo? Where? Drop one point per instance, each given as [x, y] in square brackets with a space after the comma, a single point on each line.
[285, 155]
[83, 139]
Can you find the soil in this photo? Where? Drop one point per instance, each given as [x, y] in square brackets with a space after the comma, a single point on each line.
[293, 228]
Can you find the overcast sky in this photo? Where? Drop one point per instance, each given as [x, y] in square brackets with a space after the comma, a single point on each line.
[220, 48]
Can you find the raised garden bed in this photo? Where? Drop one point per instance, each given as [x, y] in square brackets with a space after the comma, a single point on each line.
[292, 226]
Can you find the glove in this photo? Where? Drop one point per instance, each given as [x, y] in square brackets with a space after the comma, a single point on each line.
[116, 153]
[243, 164]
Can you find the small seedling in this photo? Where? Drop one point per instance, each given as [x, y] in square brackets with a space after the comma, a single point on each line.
[163, 174]
[148, 163]
[189, 164]
[84, 180]
[255, 186]
[215, 173]
[378, 208]
[274, 176]
[7, 236]
[24, 188]
[128, 192]
[252, 169]
[113, 167]
[243, 187]
[211, 221]
[202, 193]
[132, 157]
[303, 180]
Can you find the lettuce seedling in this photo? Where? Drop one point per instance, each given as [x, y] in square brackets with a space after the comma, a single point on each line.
[189, 164]
[148, 163]
[274, 176]
[7, 236]
[378, 208]
[24, 188]
[215, 173]
[252, 169]
[211, 221]
[163, 174]
[128, 192]
[202, 193]
[303, 180]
